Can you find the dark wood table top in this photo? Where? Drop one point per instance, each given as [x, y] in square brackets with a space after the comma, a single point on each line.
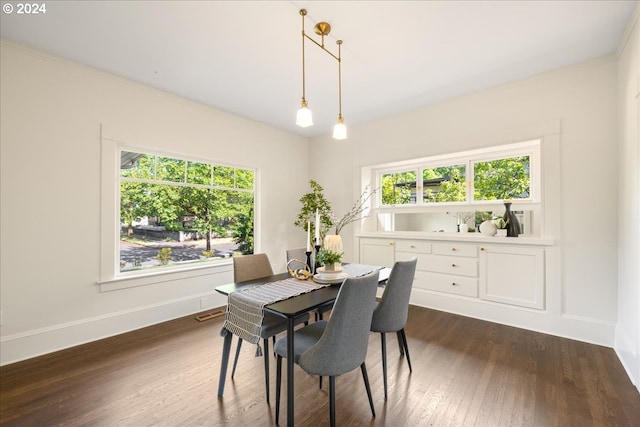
[300, 303]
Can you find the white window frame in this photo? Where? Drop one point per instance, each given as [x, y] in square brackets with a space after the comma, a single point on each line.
[529, 148]
[110, 276]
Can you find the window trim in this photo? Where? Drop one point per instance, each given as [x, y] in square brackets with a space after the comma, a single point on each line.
[110, 278]
[531, 148]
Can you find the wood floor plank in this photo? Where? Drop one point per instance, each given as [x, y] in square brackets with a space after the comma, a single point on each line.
[466, 372]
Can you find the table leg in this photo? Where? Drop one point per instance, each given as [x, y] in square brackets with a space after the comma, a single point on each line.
[290, 373]
[226, 349]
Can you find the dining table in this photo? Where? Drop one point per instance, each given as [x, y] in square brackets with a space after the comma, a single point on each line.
[288, 308]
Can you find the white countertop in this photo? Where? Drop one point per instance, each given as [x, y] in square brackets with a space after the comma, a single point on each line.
[460, 237]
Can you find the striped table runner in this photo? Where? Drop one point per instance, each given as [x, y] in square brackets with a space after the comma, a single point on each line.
[245, 307]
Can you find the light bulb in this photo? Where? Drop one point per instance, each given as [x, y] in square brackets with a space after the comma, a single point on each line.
[304, 118]
[340, 130]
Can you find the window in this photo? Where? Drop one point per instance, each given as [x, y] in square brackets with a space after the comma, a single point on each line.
[473, 177]
[444, 184]
[177, 212]
[399, 188]
[500, 179]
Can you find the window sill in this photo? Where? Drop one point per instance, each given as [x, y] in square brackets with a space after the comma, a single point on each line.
[144, 279]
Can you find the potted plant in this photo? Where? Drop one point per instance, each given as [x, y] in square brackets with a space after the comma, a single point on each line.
[501, 224]
[312, 202]
[329, 259]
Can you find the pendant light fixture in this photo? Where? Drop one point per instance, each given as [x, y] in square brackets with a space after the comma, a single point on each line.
[304, 117]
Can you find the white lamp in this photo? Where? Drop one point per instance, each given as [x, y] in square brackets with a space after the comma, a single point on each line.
[340, 130]
[304, 118]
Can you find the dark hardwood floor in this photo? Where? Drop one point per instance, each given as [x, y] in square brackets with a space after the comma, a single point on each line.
[466, 372]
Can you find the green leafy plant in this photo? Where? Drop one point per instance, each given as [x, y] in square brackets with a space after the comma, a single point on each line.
[501, 223]
[164, 256]
[311, 202]
[326, 257]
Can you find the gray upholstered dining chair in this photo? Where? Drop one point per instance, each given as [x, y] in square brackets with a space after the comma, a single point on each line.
[391, 313]
[250, 267]
[339, 345]
[301, 254]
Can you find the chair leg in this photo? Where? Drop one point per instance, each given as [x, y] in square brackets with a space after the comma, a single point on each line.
[400, 343]
[235, 361]
[332, 401]
[266, 367]
[365, 377]
[274, 346]
[406, 348]
[384, 362]
[278, 385]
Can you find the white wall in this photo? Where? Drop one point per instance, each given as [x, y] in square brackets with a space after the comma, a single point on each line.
[51, 113]
[581, 294]
[627, 339]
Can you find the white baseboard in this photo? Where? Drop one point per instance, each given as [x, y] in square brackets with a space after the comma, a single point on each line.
[25, 345]
[628, 357]
[584, 329]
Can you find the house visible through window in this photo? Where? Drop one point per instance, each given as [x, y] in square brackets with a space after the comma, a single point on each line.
[179, 212]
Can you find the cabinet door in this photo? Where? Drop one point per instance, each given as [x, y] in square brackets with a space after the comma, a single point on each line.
[377, 252]
[512, 275]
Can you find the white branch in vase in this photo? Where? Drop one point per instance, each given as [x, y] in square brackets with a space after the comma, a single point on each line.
[354, 214]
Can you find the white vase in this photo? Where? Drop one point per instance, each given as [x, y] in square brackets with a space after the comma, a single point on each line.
[333, 243]
[501, 232]
[488, 228]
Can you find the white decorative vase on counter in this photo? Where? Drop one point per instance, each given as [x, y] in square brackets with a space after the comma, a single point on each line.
[333, 243]
[488, 228]
[501, 232]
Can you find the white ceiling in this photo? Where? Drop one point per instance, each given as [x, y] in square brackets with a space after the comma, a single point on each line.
[244, 57]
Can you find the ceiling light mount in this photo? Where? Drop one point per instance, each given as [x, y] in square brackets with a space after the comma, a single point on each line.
[304, 117]
[322, 28]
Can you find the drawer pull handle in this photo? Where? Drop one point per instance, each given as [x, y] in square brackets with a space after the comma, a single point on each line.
[390, 243]
[413, 246]
[453, 284]
[453, 265]
[453, 249]
[482, 249]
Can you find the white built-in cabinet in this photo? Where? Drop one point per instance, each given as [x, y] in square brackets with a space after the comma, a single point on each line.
[512, 275]
[510, 272]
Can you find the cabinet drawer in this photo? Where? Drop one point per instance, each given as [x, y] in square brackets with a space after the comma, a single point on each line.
[450, 284]
[413, 246]
[449, 265]
[455, 249]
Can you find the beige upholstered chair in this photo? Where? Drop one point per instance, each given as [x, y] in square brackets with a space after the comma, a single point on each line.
[250, 267]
